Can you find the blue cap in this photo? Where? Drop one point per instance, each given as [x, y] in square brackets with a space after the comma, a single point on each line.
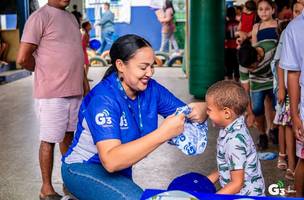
[192, 182]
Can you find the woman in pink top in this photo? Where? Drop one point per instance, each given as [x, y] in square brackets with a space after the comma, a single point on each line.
[85, 38]
[165, 17]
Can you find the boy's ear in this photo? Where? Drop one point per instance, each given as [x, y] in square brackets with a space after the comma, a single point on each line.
[227, 113]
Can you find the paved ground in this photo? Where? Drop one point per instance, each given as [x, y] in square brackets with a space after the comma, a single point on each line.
[19, 168]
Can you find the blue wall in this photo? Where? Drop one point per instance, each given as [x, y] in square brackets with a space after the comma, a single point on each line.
[143, 22]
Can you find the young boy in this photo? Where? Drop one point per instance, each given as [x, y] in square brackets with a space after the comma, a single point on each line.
[238, 167]
[257, 79]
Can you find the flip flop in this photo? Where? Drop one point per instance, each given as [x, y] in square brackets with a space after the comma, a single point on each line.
[51, 197]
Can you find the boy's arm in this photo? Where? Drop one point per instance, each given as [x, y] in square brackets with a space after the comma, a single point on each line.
[214, 176]
[25, 56]
[281, 84]
[245, 81]
[236, 184]
[250, 116]
[254, 31]
[294, 94]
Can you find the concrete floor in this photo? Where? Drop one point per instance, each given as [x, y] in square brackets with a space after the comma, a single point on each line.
[19, 168]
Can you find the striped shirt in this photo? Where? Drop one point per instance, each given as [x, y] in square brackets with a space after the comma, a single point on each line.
[261, 78]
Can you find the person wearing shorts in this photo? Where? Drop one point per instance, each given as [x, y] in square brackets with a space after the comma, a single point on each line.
[57, 60]
[292, 59]
[257, 79]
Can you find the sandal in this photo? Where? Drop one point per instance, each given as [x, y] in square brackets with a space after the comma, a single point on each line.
[282, 164]
[51, 197]
[290, 174]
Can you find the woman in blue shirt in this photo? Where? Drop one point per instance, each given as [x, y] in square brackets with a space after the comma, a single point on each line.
[117, 125]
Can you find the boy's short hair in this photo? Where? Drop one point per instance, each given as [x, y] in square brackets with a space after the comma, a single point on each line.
[247, 54]
[250, 5]
[229, 94]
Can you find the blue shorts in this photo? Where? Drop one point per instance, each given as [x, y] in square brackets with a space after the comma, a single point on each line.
[257, 101]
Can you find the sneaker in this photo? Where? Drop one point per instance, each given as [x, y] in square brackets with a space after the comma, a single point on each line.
[274, 135]
[263, 142]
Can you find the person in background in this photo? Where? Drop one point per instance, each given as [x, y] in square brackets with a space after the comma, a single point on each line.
[86, 27]
[51, 48]
[292, 59]
[248, 17]
[77, 15]
[166, 17]
[238, 11]
[238, 167]
[257, 79]
[284, 10]
[231, 63]
[282, 117]
[267, 27]
[107, 28]
[118, 124]
[3, 51]
[286, 159]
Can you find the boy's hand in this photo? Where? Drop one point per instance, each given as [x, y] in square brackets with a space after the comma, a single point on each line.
[199, 111]
[297, 126]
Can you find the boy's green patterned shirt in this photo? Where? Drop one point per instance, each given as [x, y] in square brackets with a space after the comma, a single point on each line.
[261, 78]
[236, 151]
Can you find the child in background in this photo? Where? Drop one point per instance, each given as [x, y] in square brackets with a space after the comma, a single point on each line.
[231, 63]
[267, 27]
[257, 79]
[283, 118]
[238, 167]
[246, 22]
[86, 27]
[292, 59]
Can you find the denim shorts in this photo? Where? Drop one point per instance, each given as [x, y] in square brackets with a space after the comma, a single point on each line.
[257, 101]
[88, 181]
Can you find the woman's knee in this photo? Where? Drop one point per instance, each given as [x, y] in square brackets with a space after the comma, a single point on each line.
[91, 184]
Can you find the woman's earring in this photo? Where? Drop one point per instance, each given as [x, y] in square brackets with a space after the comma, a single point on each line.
[121, 78]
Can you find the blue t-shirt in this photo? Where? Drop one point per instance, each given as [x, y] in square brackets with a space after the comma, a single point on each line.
[105, 114]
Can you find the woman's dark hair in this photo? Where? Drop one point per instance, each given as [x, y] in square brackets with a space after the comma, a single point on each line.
[247, 54]
[231, 13]
[251, 5]
[124, 48]
[85, 24]
[270, 2]
[168, 4]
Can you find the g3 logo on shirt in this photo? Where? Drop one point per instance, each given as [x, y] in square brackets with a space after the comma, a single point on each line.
[103, 119]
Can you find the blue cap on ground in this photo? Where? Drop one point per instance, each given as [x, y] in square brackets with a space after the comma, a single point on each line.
[192, 182]
[94, 44]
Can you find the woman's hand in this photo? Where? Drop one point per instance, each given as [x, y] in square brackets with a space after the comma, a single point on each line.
[172, 126]
[199, 111]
